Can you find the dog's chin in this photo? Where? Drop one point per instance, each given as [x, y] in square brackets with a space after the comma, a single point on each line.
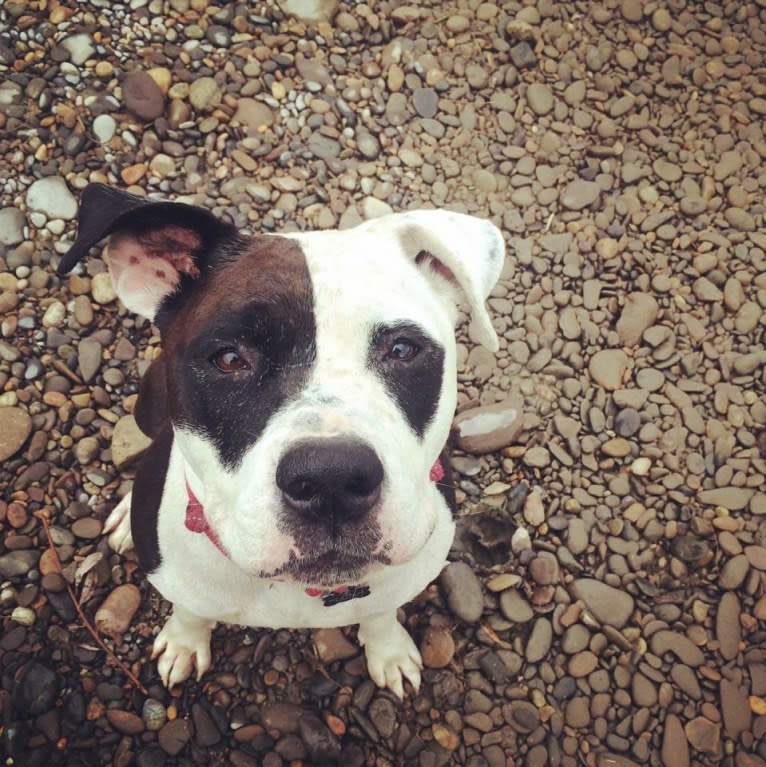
[332, 568]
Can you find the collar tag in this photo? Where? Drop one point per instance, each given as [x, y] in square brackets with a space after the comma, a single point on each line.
[332, 597]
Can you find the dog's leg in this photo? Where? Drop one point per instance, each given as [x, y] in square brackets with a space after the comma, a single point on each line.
[118, 526]
[182, 645]
[391, 654]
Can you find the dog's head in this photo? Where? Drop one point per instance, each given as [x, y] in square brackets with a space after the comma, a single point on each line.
[309, 377]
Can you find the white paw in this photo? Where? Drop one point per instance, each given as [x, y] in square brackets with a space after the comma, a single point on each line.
[181, 646]
[118, 526]
[391, 654]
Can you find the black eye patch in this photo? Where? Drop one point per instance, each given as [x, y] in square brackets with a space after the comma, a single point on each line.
[411, 365]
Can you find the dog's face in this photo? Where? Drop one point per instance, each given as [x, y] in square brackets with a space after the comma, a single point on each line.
[309, 378]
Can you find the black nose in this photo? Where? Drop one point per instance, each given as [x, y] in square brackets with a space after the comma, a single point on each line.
[333, 480]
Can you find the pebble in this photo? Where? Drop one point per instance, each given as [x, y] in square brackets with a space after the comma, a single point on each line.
[540, 640]
[728, 629]
[608, 367]
[15, 428]
[128, 441]
[142, 96]
[116, 613]
[437, 648]
[463, 592]
[638, 315]
[704, 735]
[580, 194]
[609, 605]
[332, 644]
[489, 427]
[12, 224]
[540, 100]
[174, 735]
[79, 46]
[104, 126]
[254, 114]
[204, 94]
[51, 197]
[675, 747]
[102, 289]
[514, 607]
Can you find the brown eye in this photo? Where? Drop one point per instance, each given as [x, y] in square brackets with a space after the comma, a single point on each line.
[228, 361]
[402, 350]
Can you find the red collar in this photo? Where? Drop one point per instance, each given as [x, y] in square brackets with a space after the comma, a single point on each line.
[197, 522]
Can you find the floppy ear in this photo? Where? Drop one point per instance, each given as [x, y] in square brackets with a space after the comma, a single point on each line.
[152, 247]
[465, 250]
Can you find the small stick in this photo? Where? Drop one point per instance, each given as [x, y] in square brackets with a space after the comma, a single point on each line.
[92, 631]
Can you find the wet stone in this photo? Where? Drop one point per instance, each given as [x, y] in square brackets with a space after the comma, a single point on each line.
[463, 591]
[143, 96]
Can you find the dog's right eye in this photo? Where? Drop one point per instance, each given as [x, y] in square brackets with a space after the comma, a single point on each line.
[228, 361]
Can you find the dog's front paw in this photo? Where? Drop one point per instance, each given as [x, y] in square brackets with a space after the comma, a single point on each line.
[181, 646]
[391, 654]
[118, 526]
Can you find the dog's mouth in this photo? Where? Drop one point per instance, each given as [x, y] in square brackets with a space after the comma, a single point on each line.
[328, 569]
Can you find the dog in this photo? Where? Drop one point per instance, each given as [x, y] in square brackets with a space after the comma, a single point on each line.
[298, 412]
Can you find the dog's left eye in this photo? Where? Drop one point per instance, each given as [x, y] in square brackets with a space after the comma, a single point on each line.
[228, 361]
[402, 350]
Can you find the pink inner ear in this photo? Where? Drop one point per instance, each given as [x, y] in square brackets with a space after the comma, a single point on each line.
[147, 267]
[424, 258]
[173, 244]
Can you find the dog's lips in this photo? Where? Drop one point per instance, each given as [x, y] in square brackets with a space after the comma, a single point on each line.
[328, 569]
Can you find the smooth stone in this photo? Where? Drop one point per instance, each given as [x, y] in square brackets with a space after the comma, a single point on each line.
[731, 498]
[205, 93]
[15, 428]
[540, 99]
[579, 194]
[638, 314]
[607, 368]
[488, 428]
[128, 441]
[540, 640]
[675, 747]
[704, 735]
[514, 607]
[332, 644]
[463, 591]
[51, 196]
[142, 96]
[425, 101]
[116, 613]
[737, 716]
[680, 645]
[12, 223]
[253, 114]
[80, 47]
[727, 626]
[609, 605]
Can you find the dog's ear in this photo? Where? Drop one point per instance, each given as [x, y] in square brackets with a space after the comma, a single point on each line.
[153, 245]
[467, 251]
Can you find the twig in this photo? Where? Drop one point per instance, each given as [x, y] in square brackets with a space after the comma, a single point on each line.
[85, 622]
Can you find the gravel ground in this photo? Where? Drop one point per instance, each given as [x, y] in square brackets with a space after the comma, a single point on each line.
[614, 610]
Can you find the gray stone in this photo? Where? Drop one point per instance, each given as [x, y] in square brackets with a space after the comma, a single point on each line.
[463, 592]
[12, 223]
[610, 606]
[579, 194]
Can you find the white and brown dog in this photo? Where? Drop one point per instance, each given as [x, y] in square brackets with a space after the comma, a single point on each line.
[298, 411]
